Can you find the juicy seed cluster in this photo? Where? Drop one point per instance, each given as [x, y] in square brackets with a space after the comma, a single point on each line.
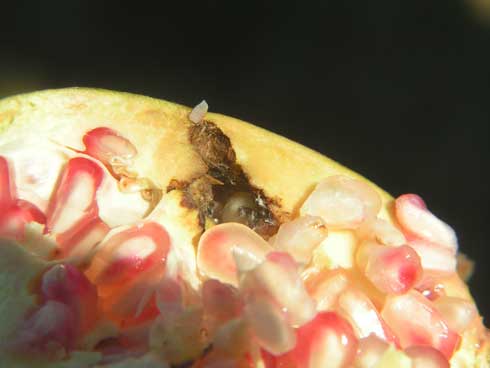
[338, 286]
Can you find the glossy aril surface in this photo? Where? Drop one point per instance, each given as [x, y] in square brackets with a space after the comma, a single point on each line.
[426, 357]
[108, 146]
[393, 270]
[326, 341]
[73, 202]
[216, 247]
[342, 202]
[419, 222]
[416, 321]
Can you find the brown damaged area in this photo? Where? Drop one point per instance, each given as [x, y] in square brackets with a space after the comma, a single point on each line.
[224, 193]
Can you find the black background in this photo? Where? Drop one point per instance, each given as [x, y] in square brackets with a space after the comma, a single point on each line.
[397, 90]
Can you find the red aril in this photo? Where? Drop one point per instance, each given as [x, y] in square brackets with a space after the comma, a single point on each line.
[278, 278]
[15, 213]
[64, 283]
[418, 222]
[35, 168]
[6, 185]
[15, 216]
[393, 270]
[81, 240]
[326, 341]
[127, 254]
[127, 268]
[426, 357]
[216, 246]
[108, 146]
[416, 321]
[342, 202]
[73, 203]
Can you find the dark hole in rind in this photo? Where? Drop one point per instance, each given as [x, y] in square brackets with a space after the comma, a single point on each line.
[225, 181]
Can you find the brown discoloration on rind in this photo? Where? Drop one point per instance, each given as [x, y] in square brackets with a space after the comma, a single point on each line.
[225, 178]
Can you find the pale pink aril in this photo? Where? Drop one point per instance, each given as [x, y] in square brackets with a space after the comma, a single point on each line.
[220, 301]
[426, 357]
[326, 341]
[106, 145]
[417, 221]
[268, 325]
[300, 237]
[326, 286]
[458, 313]
[393, 270]
[416, 321]
[73, 202]
[342, 202]
[434, 257]
[358, 309]
[370, 351]
[216, 248]
[278, 278]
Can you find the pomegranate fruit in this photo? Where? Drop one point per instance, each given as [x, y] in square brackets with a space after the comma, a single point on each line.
[137, 232]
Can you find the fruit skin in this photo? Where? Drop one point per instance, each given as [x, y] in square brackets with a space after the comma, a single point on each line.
[285, 170]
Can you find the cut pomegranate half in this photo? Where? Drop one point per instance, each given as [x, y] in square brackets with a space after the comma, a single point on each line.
[326, 341]
[416, 321]
[217, 245]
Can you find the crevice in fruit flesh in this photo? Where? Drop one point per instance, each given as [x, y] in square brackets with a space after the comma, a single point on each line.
[224, 193]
